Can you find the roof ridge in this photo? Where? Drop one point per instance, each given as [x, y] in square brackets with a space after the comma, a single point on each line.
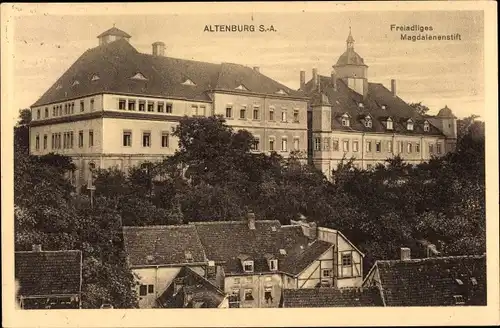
[231, 222]
[425, 259]
[220, 291]
[181, 59]
[157, 226]
[50, 251]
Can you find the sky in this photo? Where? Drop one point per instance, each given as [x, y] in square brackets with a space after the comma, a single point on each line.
[436, 73]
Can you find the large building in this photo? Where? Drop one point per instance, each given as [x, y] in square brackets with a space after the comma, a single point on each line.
[350, 117]
[251, 261]
[118, 107]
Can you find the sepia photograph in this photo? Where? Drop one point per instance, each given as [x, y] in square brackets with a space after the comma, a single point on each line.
[296, 156]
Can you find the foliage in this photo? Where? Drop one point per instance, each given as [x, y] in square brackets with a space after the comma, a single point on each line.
[420, 108]
[22, 132]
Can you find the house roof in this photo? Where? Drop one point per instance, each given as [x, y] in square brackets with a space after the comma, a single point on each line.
[300, 258]
[202, 291]
[116, 62]
[350, 57]
[46, 273]
[445, 113]
[114, 31]
[331, 297]
[162, 245]
[433, 281]
[379, 103]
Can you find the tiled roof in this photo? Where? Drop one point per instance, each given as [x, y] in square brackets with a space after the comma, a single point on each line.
[203, 291]
[114, 31]
[299, 259]
[331, 297]
[433, 281]
[350, 57]
[162, 245]
[116, 62]
[48, 272]
[380, 103]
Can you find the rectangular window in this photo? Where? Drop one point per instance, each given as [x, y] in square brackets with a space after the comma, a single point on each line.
[146, 139]
[400, 143]
[431, 148]
[53, 141]
[237, 282]
[327, 273]
[255, 113]
[389, 146]
[255, 144]
[243, 113]
[347, 259]
[317, 143]
[143, 290]
[378, 146]
[82, 106]
[438, 148]
[248, 294]
[409, 147]
[273, 265]
[389, 125]
[168, 108]
[284, 144]
[80, 139]
[46, 112]
[271, 114]
[296, 116]
[296, 145]
[127, 138]
[368, 146]
[164, 139]
[335, 145]
[355, 145]
[54, 111]
[160, 107]
[248, 266]
[326, 143]
[346, 145]
[37, 142]
[268, 294]
[203, 110]
[417, 147]
[91, 138]
[122, 104]
[73, 107]
[131, 105]
[151, 106]
[71, 140]
[283, 116]
[194, 110]
[44, 141]
[151, 289]
[65, 110]
[229, 112]
[91, 106]
[249, 279]
[271, 145]
[142, 106]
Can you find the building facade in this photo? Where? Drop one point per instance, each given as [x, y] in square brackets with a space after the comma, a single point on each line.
[116, 107]
[352, 118]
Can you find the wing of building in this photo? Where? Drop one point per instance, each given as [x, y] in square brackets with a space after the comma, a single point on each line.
[331, 297]
[252, 261]
[432, 281]
[117, 107]
[350, 117]
[48, 279]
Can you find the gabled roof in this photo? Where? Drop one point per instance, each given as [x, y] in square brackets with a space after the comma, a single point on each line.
[47, 273]
[433, 281]
[117, 61]
[300, 258]
[162, 245]
[331, 297]
[114, 31]
[344, 99]
[201, 289]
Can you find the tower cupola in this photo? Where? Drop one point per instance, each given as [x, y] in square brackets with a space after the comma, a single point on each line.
[113, 34]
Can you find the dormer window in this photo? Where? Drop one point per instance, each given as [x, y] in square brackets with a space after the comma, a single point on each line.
[384, 106]
[345, 120]
[282, 251]
[409, 125]
[368, 122]
[248, 266]
[241, 87]
[95, 77]
[59, 87]
[459, 299]
[389, 124]
[75, 83]
[473, 280]
[459, 282]
[188, 82]
[188, 256]
[360, 105]
[426, 126]
[281, 92]
[139, 76]
[273, 265]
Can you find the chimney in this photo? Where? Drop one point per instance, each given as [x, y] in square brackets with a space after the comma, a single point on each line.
[313, 230]
[334, 81]
[251, 220]
[315, 78]
[36, 248]
[393, 87]
[159, 49]
[405, 254]
[302, 79]
[256, 68]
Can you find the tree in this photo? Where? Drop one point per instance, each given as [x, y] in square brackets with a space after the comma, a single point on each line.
[419, 108]
[22, 132]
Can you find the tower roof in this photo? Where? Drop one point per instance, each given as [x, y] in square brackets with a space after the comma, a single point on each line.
[350, 57]
[350, 39]
[114, 31]
[445, 112]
